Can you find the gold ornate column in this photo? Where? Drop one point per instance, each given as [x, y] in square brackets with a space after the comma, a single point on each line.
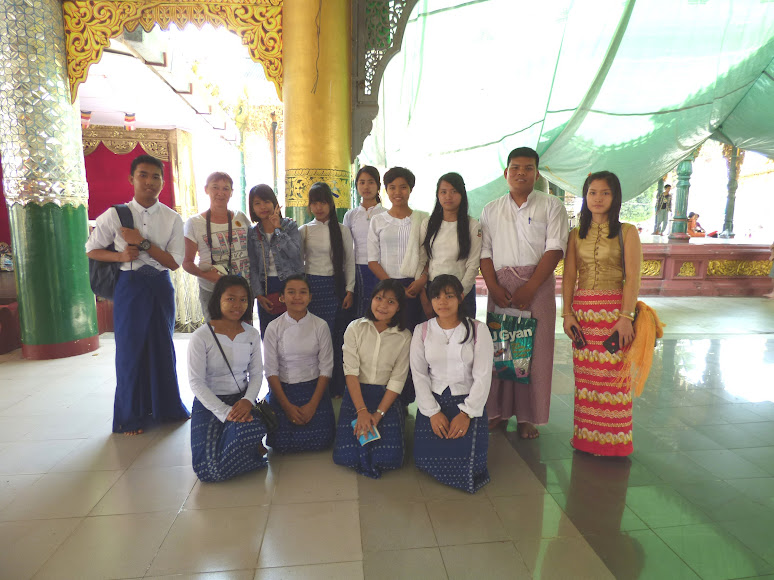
[316, 94]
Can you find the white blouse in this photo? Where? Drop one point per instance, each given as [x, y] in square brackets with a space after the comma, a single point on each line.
[358, 220]
[298, 351]
[465, 368]
[388, 242]
[377, 358]
[519, 236]
[208, 374]
[446, 249]
[316, 243]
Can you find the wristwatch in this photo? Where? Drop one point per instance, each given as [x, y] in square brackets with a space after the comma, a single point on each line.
[144, 245]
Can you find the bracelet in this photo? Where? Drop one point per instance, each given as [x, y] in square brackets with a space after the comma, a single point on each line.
[361, 409]
[569, 314]
[632, 313]
[622, 315]
[378, 410]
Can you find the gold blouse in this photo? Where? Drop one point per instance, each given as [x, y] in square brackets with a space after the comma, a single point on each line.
[599, 258]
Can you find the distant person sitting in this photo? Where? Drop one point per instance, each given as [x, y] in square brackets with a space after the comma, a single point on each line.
[695, 230]
[663, 207]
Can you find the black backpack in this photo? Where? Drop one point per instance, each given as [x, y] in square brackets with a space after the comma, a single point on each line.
[104, 275]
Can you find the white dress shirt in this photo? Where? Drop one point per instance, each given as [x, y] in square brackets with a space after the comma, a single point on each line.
[157, 223]
[208, 374]
[298, 351]
[519, 236]
[358, 220]
[377, 358]
[316, 244]
[465, 368]
[446, 249]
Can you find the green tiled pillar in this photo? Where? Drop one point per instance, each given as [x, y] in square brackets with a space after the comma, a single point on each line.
[44, 182]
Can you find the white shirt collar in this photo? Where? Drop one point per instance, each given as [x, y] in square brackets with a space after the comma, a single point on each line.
[151, 210]
[292, 320]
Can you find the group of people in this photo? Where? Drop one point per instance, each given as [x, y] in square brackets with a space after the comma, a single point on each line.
[379, 309]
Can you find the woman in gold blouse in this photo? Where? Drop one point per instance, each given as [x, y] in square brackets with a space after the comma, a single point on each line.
[599, 301]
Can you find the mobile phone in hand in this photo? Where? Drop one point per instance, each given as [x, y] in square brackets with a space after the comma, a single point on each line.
[577, 338]
[613, 344]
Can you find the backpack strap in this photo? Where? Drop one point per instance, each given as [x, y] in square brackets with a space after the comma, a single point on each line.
[124, 215]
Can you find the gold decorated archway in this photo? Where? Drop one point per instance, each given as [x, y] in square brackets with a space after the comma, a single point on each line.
[90, 24]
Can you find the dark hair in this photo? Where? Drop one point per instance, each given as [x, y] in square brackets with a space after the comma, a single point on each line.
[396, 172]
[390, 285]
[149, 159]
[223, 284]
[613, 223]
[294, 278]
[691, 214]
[463, 220]
[373, 172]
[263, 192]
[667, 185]
[322, 192]
[523, 152]
[440, 284]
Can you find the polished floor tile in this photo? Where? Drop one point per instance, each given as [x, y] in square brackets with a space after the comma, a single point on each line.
[562, 558]
[396, 526]
[329, 482]
[135, 540]
[493, 561]
[211, 541]
[337, 571]
[311, 533]
[530, 517]
[425, 563]
[255, 488]
[713, 553]
[465, 522]
[660, 506]
[147, 490]
[26, 545]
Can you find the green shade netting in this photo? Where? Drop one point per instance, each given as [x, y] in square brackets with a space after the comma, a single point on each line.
[632, 87]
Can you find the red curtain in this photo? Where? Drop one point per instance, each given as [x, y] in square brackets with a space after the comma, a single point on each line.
[5, 226]
[108, 178]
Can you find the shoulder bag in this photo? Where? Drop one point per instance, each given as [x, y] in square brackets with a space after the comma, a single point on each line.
[104, 275]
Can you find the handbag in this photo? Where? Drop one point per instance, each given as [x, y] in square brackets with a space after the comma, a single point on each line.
[277, 306]
[514, 342]
[262, 407]
[103, 276]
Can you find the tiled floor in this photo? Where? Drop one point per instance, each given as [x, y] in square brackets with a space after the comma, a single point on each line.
[695, 500]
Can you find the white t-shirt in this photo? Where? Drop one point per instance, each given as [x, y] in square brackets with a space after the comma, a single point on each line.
[195, 229]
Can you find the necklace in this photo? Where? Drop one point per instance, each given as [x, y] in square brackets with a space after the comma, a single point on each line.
[447, 333]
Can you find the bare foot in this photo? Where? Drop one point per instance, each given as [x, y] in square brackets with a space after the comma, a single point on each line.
[770, 295]
[138, 432]
[495, 423]
[527, 431]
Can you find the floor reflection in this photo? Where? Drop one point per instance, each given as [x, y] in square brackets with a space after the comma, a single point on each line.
[696, 498]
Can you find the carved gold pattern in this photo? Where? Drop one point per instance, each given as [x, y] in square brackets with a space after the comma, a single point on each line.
[651, 268]
[90, 24]
[736, 268]
[728, 152]
[120, 141]
[687, 269]
[298, 181]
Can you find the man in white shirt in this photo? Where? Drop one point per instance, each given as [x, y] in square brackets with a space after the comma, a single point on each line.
[144, 300]
[524, 237]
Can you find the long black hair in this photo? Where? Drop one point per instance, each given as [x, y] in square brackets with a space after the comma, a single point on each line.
[613, 223]
[322, 192]
[373, 172]
[463, 220]
[223, 284]
[390, 285]
[451, 282]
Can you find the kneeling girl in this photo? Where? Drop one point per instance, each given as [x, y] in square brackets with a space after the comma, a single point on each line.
[376, 363]
[224, 372]
[299, 365]
[451, 362]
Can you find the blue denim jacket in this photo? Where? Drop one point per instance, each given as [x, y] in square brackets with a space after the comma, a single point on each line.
[285, 246]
